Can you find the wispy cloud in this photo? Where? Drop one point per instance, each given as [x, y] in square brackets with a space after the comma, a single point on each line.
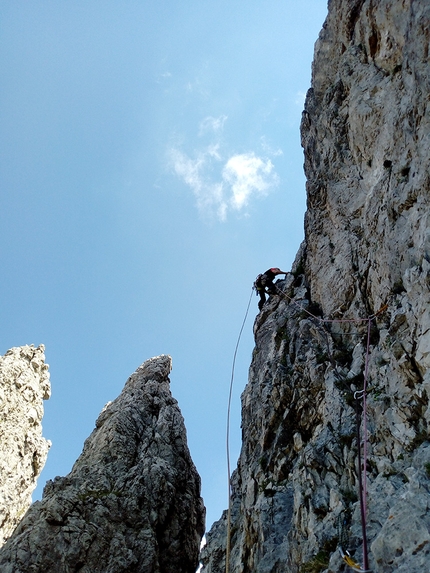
[268, 149]
[213, 150]
[198, 86]
[212, 124]
[209, 195]
[163, 77]
[224, 182]
[241, 178]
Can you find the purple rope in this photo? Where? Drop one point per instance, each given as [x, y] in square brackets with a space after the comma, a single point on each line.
[362, 469]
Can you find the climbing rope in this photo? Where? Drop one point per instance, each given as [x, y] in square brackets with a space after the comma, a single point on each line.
[343, 521]
[362, 465]
[227, 552]
[361, 394]
[362, 470]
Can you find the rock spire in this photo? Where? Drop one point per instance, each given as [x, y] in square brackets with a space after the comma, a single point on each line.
[132, 500]
[24, 384]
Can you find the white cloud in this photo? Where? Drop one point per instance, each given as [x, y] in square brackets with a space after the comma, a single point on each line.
[198, 86]
[242, 177]
[213, 151]
[224, 182]
[268, 149]
[215, 124]
[209, 195]
[248, 175]
[163, 77]
[186, 168]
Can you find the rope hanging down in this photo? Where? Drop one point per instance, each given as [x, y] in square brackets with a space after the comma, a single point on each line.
[227, 551]
[362, 464]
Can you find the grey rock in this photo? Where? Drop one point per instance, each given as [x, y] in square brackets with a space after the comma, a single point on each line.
[132, 500]
[24, 385]
[366, 138]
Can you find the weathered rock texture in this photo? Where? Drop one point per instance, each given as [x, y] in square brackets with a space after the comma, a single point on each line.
[24, 384]
[132, 500]
[366, 138]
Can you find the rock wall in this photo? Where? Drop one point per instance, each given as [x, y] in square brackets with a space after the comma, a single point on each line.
[24, 384]
[366, 139]
[132, 500]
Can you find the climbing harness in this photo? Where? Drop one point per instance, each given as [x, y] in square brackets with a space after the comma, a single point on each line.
[227, 551]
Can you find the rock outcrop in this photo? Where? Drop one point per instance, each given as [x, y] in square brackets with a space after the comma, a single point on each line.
[24, 384]
[132, 500]
[366, 139]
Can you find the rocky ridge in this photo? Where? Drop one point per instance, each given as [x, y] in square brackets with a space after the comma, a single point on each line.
[24, 385]
[132, 500]
[366, 139]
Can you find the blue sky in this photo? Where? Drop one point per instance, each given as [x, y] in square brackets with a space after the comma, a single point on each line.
[150, 168]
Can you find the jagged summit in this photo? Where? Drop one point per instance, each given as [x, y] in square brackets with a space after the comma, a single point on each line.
[132, 500]
[158, 368]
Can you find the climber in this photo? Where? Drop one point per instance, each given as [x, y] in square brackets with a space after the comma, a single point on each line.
[264, 284]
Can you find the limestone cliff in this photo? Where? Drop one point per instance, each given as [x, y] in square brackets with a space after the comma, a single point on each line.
[24, 384]
[132, 500]
[366, 139]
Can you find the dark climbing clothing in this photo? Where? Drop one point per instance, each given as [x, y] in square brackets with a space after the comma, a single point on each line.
[264, 284]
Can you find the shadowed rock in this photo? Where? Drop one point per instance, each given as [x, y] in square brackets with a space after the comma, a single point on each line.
[132, 500]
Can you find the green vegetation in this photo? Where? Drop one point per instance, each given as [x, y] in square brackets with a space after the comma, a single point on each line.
[420, 438]
[321, 357]
[299, 269]
[349, 495]
[317, 564]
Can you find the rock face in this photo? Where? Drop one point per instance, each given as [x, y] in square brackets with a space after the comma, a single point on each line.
[366, 139]
[24, 384]
[132, 500]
